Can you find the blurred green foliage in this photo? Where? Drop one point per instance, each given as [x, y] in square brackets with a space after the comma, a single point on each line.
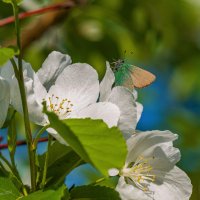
[163, 34]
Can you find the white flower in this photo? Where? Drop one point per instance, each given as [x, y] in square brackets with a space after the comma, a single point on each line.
[150, 171]
[4, 100]
[124, 99]
[70, 91]
[30, 79]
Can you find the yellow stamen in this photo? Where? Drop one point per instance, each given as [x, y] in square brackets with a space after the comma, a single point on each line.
[140, 172]
[61, 107]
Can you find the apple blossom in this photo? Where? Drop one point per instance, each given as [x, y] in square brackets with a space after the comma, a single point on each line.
[150, 171]
[70, 91]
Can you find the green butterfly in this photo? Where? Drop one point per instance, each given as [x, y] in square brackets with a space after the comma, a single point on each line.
[131, 76]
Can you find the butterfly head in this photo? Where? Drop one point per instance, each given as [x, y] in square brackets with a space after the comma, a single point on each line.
[117, 64]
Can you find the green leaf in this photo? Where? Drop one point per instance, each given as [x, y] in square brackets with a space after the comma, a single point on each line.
[50, 194]
[92, 140]
[3, 171]
[7, 53]
[63, 159]
[110, 182]
[94, 193]
[8, 191]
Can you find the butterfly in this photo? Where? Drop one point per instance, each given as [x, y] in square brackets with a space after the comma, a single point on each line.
[131, 76]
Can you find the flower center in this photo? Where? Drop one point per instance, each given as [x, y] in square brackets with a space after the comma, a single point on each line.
[140, 173]
[61, 107]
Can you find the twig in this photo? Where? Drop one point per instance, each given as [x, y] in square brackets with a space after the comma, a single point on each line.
[58, 6]
[35, 30]
[22, 142]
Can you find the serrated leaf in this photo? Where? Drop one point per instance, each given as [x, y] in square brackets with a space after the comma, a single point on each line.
[92, 140]
[7, 53]
[49, 194]
[94, 193]
[8, 190]
[63, 159]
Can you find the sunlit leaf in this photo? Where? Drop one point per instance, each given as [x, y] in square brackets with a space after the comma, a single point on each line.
[7, 53]
[93, 141]
[49, 194]
[8, 190]
[108, 182]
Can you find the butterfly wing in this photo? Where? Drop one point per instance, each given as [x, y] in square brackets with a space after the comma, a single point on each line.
[128, 82]
[140, 77]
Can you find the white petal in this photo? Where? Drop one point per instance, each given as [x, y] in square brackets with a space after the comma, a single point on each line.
[37, 87]
[34, 107]
[129, 192]
[103, 110]
[135, 94]
[124, 99]
[52, 67]
[139, 108]
[35, 92]
[7, 71]
[172, 153]
[176, 186]
[106, 83]
[142, 142]
[78, 83]
[159, 160]
[4, 100]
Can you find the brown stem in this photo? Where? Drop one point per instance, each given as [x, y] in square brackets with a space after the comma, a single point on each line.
[58, 6]
[21, 142]
[37, 28]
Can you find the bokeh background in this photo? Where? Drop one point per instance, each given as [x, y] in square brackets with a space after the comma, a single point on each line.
[162, 36]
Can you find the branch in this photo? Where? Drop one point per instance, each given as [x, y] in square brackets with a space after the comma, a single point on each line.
[21, 142]
[24, 15]
[34, 31]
